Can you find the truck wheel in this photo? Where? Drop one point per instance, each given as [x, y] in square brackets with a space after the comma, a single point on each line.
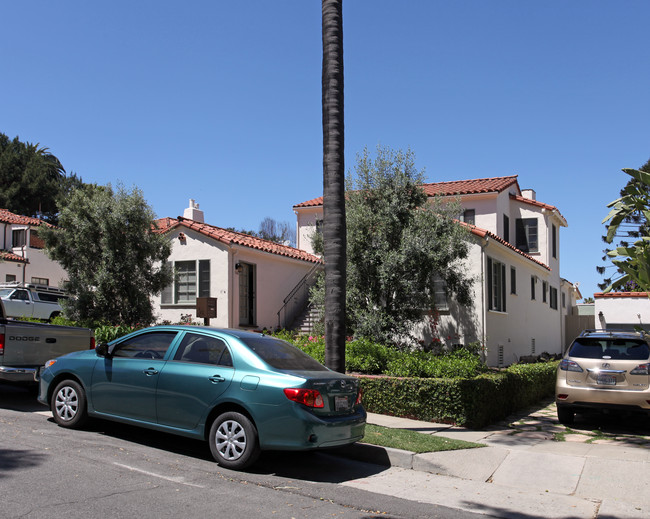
[54, 314]
[68, 404]
[233, 441]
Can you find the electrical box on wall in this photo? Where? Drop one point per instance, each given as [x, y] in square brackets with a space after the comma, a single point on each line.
[206, 307]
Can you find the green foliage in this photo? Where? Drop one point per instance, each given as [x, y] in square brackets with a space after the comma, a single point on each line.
[32, 179]
[396, 242]
[632, 260]
[114, 260]
[458, 364]
[470, 402]
[108, 333]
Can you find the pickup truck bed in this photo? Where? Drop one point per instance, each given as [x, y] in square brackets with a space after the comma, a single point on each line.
[25, 346]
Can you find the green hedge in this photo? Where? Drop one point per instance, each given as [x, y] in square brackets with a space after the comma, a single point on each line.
[468, 402]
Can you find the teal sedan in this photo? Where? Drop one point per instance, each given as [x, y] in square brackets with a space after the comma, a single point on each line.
[242, 392]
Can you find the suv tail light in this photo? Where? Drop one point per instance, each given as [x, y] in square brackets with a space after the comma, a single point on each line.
[308, 397]
[641, 369]
[570, 365]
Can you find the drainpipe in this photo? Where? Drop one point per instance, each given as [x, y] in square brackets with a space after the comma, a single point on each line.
[483, 305]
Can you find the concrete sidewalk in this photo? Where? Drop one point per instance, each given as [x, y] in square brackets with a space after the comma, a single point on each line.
[522, 472]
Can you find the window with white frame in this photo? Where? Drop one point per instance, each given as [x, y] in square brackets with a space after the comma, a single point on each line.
[191, 280]
[19, 237]
[496, 285]
[440, 300]
[526, 238]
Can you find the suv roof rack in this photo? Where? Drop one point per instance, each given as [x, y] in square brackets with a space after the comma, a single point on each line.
[612, 332]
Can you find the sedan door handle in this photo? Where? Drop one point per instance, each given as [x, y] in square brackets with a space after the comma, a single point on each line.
[150, 371]
[216, 379]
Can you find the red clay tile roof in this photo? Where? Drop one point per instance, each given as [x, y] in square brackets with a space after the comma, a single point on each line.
[452, 188]
[10, 256]
[470, 187]
[235, 238]
[482, 233]
[538, 204]
[600, 295]
[12, 218]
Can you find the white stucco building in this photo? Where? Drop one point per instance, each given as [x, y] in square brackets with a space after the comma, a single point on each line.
[23, 255]
[520, 301]
[622, 310]
[256, 282]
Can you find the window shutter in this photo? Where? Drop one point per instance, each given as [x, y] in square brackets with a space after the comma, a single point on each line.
[204, 278]
[489, 283]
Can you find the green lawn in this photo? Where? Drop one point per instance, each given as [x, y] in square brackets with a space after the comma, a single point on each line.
[413, 441]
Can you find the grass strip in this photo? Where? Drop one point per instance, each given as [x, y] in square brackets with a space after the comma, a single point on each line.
[413, 441]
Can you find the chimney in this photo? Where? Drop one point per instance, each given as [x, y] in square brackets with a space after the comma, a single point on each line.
[529, 193]
[193, 212]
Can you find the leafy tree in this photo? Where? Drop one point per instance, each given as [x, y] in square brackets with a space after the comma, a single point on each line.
[397, 242]
[632, 227]
[33, 180]
[334, 233]
[114, 260]
[632, 260]
[279, 232]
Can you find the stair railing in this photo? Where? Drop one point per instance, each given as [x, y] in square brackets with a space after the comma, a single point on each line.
[298, 298]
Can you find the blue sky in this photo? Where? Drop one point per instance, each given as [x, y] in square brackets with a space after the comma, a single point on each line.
[220, 101]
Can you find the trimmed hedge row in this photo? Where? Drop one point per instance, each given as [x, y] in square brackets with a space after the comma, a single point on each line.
[472, 403]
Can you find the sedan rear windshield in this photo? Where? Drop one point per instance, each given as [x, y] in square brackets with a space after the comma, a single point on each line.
[282, 355]
[624, 349]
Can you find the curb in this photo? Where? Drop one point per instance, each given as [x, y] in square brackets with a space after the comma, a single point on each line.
[384, 456]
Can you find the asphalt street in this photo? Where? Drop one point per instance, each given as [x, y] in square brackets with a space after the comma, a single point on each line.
[112, 470]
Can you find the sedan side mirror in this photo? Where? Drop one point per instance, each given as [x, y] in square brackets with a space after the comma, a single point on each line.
[102, 350]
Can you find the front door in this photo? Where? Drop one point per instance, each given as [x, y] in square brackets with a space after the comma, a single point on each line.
[247, 303]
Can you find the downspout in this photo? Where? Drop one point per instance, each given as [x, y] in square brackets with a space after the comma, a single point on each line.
[483, 305]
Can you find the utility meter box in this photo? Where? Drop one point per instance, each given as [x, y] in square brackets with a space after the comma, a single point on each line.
[206, 307]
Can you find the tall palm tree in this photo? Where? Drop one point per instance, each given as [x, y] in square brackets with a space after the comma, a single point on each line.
[334, 232]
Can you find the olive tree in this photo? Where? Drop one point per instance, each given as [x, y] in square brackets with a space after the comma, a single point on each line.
[114, 261]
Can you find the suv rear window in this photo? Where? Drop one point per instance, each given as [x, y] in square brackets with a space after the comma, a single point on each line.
[595, 348]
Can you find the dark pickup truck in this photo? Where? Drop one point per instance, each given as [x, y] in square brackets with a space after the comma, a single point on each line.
[25, 347]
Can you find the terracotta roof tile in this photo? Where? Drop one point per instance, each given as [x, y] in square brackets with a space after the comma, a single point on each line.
[482, 233]
[602, 295]
[10, 256]
[538, 204]
[236, 238]
[454, 187]
[12, 218]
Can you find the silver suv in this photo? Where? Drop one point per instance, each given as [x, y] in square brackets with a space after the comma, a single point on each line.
[604, 369]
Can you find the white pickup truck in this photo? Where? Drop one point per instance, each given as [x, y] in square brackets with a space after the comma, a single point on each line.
[25, 347]
[31, 300]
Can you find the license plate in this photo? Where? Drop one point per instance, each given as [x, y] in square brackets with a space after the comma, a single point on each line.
[606, 380]
[341, 403]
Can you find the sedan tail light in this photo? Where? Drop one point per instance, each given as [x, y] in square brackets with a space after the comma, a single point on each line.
[308, 397]
[92, 343]
[570, 365]
[641, 369]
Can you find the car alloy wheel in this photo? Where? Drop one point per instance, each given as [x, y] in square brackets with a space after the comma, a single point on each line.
[233, 441]
[68, 404]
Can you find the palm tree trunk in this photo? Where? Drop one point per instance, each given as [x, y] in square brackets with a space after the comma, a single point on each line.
[334, 232]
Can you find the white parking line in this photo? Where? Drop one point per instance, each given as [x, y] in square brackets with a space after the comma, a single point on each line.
[180, 480]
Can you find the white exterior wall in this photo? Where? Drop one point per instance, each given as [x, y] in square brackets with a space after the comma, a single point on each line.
[275, 277]
[306, 226]
[615, 310]
[39, 264]
[198, 247]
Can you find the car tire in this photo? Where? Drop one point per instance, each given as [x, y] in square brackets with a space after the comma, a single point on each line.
[233, 441]
[68, 404]
[565, 415]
